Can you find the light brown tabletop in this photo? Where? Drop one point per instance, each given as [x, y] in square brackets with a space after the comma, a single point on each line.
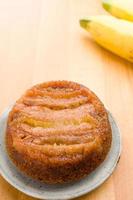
[41, 40]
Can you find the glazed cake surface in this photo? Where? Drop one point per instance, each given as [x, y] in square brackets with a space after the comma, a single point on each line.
[58, 132]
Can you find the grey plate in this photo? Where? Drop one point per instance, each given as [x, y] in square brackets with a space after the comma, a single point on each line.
[58, 192]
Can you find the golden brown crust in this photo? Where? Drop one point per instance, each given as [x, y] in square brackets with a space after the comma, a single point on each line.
[58, 132]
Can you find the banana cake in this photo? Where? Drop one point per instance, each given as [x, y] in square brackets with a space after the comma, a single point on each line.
[58, 132]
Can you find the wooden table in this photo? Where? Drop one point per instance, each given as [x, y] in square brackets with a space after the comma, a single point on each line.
[41, 40]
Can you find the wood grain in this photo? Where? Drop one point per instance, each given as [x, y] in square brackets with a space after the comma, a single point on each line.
[41, 40]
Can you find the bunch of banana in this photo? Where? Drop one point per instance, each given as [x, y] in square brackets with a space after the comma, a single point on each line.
[111, 33]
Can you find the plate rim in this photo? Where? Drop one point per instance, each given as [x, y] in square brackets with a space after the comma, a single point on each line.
[79, 193]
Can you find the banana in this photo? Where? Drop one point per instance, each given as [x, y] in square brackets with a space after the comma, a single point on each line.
[111, 33]
[119, 8]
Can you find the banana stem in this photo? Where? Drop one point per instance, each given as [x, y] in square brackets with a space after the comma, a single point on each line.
[84, 23]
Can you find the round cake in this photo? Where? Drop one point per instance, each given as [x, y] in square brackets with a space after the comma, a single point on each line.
[58, 132]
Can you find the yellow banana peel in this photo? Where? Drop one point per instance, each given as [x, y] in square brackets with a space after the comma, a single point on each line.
[119, 8]
[114, 34]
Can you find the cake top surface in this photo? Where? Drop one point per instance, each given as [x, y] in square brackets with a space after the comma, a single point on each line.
[58, 119]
